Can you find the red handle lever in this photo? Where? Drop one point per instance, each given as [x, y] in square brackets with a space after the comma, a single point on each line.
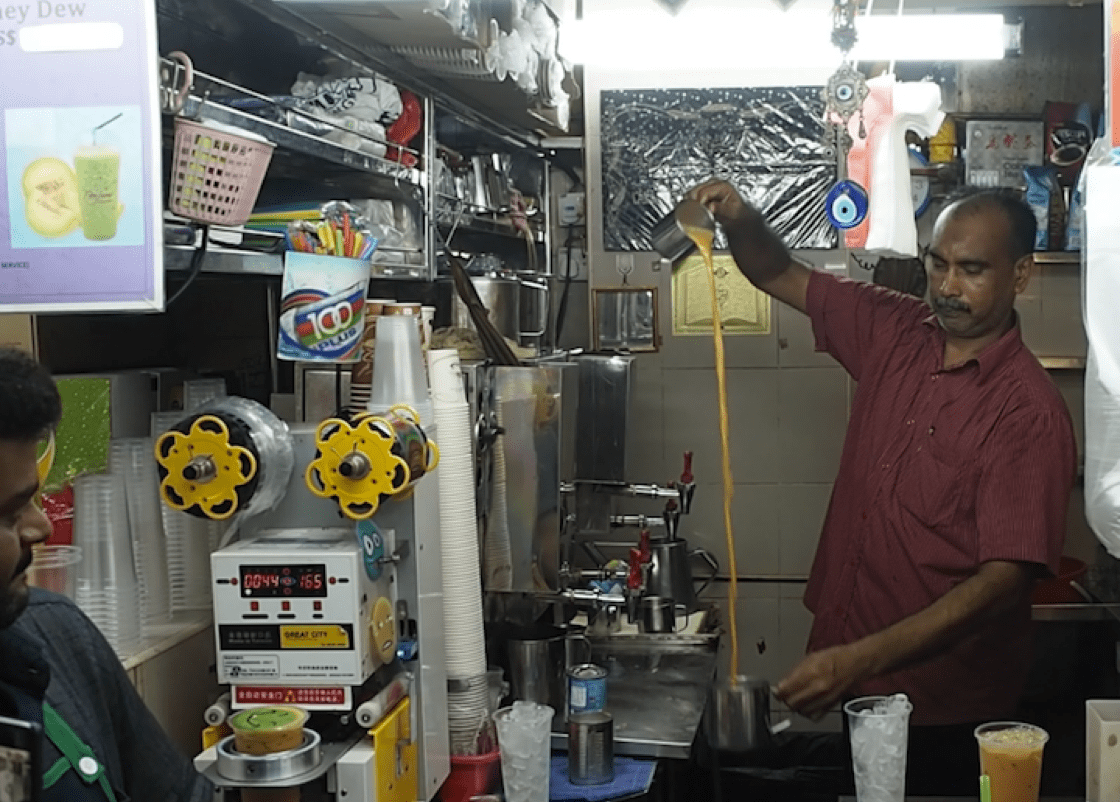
[634, 580]
[686, 474]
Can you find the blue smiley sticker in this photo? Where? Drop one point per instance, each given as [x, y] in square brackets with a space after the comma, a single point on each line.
[373, 548]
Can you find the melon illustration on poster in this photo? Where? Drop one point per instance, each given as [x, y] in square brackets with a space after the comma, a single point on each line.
[76, 175]
[81, 227]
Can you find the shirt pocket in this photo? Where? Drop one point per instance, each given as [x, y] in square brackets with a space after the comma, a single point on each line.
[931, 485]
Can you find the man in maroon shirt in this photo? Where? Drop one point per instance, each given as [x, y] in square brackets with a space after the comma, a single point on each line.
[956, 472]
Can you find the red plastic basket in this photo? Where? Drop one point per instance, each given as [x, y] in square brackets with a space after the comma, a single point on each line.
[471, 775]
[216, 174]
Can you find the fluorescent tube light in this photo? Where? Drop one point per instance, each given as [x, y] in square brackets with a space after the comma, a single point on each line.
[753, 39]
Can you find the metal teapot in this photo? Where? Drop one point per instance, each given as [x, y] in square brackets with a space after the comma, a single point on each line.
[670, 574]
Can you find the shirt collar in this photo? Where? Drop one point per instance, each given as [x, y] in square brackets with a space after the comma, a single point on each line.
[994, 355]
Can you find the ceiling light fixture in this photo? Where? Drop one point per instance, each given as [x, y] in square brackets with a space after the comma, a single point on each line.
[766, 38]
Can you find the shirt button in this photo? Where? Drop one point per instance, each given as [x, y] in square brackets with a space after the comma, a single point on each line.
[88, 766]
[910, 422]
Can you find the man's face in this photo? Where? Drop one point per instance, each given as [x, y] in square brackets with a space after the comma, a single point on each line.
[973, 280]
[22, 524]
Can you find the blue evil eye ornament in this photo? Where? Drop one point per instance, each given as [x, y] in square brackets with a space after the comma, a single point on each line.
[846, 204]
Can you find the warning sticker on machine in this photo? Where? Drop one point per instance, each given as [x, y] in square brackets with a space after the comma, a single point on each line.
[322, 636]
[236, 666]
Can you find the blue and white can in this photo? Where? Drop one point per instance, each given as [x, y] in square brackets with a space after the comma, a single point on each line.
[587, 688]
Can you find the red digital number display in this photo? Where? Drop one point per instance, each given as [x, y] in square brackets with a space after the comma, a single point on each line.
[283, 581]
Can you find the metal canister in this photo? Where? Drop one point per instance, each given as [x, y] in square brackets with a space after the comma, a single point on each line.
[590, 748]
[587, 688]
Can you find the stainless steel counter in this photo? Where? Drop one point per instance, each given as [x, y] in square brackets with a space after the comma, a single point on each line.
[656, 694]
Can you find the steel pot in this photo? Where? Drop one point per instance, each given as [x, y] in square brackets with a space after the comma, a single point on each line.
[501, 295]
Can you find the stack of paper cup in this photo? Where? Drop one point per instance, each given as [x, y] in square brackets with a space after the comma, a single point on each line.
[134, 460]
[462, 595]
[107, 591]
[361, 372]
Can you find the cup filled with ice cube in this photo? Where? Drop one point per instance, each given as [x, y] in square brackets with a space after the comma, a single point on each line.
[878, 727]
[1011, 756]
[524, 734]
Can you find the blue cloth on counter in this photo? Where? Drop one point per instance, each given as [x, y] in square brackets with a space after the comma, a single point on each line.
[630, 777]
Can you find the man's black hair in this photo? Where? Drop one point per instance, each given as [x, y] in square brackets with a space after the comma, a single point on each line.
[29, 402]
[1019, 214]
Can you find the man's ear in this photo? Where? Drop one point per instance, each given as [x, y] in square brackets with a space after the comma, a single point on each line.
[1024, 269]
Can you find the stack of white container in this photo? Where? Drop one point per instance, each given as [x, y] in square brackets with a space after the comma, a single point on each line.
[468, 703]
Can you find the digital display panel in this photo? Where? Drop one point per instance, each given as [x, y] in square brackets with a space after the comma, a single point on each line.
[283, 581]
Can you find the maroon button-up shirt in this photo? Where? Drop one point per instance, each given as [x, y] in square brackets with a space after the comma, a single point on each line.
[941, 471]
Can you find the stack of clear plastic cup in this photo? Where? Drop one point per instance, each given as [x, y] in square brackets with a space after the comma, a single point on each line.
[107, 590]
[398, 367]
[55, 568]
[188, 542]
[134, 459]
[197, 392]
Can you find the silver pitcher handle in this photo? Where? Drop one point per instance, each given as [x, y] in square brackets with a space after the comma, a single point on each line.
[587, 645]
[710, 560]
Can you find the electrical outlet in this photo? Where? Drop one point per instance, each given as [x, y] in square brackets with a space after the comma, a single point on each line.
[571, 209]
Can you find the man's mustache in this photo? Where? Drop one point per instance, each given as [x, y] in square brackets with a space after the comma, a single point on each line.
[950, 305]
[24, 563]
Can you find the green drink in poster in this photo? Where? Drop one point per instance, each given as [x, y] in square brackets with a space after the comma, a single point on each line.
[97, 168]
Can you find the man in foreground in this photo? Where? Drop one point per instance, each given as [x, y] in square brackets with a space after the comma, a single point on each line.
[101, 742]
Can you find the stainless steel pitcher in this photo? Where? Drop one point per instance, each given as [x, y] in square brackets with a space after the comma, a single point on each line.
[539, 662]
[670, 573]
[738, 715]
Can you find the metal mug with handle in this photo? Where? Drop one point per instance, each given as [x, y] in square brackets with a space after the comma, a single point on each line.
[670, 573]
[539, 660]
[738, 715]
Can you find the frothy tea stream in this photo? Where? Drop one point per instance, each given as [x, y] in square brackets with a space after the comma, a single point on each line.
[703, 237]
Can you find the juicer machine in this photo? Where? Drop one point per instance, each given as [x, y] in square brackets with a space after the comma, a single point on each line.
[330, 599]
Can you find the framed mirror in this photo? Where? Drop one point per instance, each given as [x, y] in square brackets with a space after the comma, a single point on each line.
[625, 319]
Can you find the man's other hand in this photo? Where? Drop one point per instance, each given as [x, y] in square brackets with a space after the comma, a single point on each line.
[821, 680]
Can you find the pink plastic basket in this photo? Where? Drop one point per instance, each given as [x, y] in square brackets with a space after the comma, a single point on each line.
[216, 175]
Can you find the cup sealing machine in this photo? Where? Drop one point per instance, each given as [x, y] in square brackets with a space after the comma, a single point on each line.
[329, 599]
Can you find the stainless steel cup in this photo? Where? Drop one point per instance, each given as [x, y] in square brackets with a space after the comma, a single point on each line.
[539, 661]
[738, 715]
[668, 235]
[658, 615]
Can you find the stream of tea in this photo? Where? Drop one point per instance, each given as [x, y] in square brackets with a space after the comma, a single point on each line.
[704, 238]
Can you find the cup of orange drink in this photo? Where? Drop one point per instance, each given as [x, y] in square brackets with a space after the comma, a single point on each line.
[1011, 756]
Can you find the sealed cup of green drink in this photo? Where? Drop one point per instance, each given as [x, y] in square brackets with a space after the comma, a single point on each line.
[265, 730]
[97, 168]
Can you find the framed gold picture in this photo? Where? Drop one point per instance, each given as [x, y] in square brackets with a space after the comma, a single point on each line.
[743, 308]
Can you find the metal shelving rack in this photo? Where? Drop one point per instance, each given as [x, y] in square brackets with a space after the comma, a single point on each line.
[212, 98]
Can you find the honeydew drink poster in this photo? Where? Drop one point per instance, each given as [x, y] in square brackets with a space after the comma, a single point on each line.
[80, 173]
